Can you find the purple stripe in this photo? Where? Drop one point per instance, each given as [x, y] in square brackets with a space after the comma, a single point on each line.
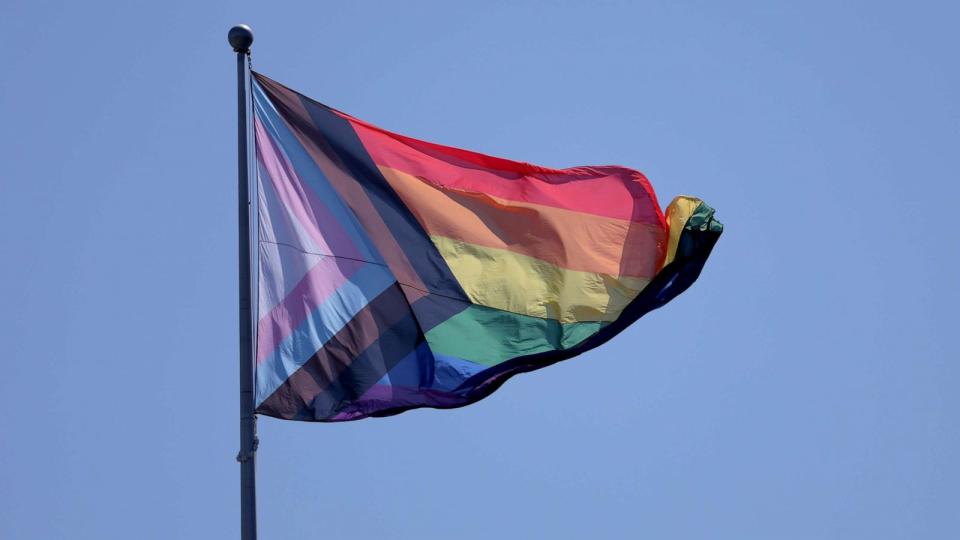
[382, 397]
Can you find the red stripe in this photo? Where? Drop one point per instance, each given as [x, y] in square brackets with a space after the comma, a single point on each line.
[610, 191]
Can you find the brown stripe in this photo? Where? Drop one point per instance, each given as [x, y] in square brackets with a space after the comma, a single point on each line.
[394, 344]
[336, 356]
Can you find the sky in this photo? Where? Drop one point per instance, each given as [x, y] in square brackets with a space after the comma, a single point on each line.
[802, 388]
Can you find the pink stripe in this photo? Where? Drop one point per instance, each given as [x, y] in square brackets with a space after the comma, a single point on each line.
[300, 201]
[316, 286]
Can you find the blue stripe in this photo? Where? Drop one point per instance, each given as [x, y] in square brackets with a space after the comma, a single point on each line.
[450, 372]
[425, 369]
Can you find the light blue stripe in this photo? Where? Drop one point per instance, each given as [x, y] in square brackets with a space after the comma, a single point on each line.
[310, 173]
[285, 263]
[322, 324]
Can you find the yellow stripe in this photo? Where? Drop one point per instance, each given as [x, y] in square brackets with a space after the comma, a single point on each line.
[513, 282]
[678, 212]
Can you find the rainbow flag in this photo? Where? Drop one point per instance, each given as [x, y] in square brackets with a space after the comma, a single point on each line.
[396, 273]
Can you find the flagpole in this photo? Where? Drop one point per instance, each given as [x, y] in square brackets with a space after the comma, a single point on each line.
[240, 38]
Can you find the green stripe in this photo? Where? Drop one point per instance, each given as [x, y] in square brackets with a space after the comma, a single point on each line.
[490, 336]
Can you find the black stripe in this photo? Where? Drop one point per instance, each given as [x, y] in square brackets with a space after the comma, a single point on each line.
[326, 369]
[340, 142]
[366, 369]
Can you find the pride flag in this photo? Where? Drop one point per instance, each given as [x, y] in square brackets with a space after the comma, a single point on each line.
[396, 273]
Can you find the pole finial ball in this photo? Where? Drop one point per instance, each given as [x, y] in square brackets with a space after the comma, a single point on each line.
[240, 38]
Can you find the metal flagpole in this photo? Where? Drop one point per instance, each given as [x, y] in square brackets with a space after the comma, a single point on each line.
[240, 38]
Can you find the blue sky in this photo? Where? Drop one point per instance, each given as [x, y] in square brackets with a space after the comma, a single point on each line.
[803, 388]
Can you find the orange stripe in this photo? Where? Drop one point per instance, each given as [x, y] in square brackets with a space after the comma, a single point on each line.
[567, 239]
